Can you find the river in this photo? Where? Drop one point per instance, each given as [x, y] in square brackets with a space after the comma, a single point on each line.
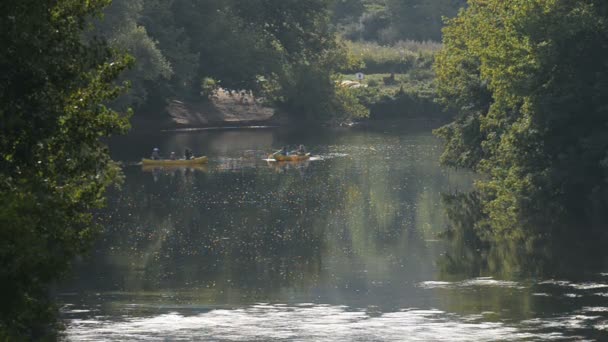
[345, 247]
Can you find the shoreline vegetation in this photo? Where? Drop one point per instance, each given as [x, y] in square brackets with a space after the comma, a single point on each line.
[525, 97]
[529, 91]
[399, 83]
[187, 50]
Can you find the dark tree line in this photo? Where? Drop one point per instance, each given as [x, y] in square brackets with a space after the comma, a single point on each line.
[389, 21]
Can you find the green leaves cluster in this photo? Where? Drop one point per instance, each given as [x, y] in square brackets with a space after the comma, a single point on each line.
[529, 79]
[53, 167]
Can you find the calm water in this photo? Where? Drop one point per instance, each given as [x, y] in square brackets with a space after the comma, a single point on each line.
[341, 248]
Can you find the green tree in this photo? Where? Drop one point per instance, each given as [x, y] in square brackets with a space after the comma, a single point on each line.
[419, 19]
[162, 25]
[347, 10]
[540, 136]
[389, 21]
[304, 42]
[121, 28]
[53, 167]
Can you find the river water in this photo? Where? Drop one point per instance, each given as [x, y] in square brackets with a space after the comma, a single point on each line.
[345, 247]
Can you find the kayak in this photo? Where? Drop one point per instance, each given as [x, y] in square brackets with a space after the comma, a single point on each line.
[176, 162]
[156, 167]
[294, 157]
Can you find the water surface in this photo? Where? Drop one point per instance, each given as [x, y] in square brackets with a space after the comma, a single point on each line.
[345, 247]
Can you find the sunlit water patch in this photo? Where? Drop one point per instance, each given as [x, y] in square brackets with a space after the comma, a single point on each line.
[577, 286]
[219, 128]
[266, 322]
[476, 282]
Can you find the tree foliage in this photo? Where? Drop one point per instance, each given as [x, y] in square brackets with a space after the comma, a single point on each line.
[121, 27]
[529, 79]
[389, 21]
[420, 19]
[280, 49]
[53, 167]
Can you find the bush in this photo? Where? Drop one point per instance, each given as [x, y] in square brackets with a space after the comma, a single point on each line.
[208, 86]
[347, 105]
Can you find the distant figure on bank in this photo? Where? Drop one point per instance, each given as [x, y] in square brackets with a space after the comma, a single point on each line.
[172, 156]
[155, 154]
[389, 80]
[188, 154]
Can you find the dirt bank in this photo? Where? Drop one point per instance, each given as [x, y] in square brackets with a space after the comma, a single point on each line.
[223, 108]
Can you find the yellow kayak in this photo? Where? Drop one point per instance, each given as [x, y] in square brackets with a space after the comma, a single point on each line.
[176, 162]
[156, 167]
[294, 157]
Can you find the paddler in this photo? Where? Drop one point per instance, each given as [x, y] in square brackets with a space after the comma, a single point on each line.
[188, 154]
[301, 151]
[282, 151]
[155, 154]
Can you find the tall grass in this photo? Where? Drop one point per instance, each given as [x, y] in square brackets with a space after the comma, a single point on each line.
[418, 46]
[398, 58]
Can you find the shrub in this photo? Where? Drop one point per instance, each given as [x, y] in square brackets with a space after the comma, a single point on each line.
[208, 86]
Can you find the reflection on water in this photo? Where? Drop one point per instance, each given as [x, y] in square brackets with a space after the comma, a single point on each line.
[192, 253]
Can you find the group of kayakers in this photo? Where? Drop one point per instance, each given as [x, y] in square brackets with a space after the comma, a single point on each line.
[188, 155]
[172, 156]
[300, 151]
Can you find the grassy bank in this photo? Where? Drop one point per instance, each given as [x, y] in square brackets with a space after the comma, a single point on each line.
[401, 57]
[399, 79]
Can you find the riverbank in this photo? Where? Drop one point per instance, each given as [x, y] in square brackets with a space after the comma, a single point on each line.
[402, 99]
[222, 110]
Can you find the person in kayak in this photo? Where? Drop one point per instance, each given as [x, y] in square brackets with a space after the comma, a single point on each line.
[155, 154]
[301, 151]
[282, 151]
[188, 154]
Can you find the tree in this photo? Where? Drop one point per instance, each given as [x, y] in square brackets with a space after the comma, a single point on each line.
[120, 26]
[389, 21]
[347, 10]
[53, 167]
[540, 136]
[301, 37]
[285, 50]
[159, 19]
[419, 19]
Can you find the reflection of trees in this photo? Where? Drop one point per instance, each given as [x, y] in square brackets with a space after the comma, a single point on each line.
[472, 252]
[205, 230]
[527, 260]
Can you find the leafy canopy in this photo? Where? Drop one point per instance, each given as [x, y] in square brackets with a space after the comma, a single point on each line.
[529, 78]
[53, 167]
